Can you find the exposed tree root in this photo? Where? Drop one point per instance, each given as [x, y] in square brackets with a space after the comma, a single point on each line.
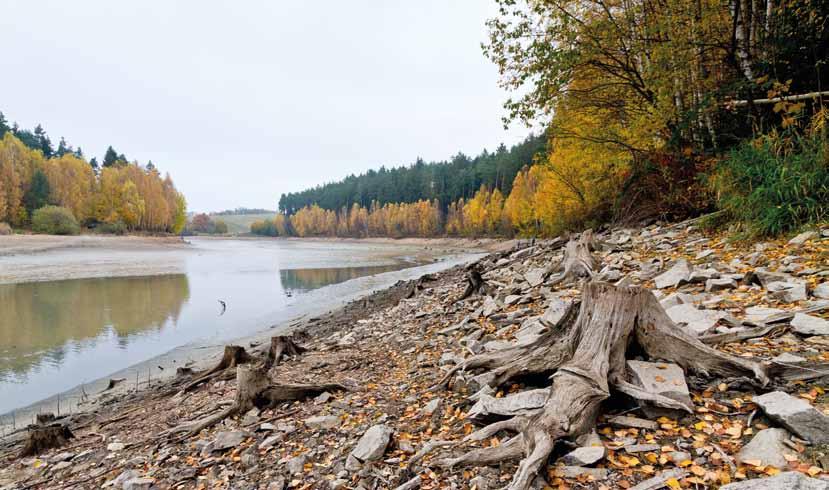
[46, 434]
[586, 354]
[254, 389]
[282, 346]
[419, 284]
[233, 356]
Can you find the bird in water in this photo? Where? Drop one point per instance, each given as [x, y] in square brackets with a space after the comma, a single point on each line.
[224, 307]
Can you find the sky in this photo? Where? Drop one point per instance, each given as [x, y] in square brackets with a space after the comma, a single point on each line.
[242, 101]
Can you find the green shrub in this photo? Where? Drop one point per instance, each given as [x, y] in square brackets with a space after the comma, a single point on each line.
[114, 228]
[54, 220]
[5, 229]
[775, 183]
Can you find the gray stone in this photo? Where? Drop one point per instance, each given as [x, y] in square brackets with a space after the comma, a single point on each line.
[810, 325]
[555, 311]
[62, 465]
[535, 276]
[671, 300]
[660, 480]
[714, 285]
[432, 406]
[765, 277]
[676, 275]
[795, 414]
[697, 321]
[803, 238]
[512, 299]
[373, 443]
[577, 471]
[278, 484]
[323, 422]
[138, 484]
[790, 480]
[641, 448]
[296, 465]
[757, 314]
[338, 484]
[661, 379]
[227, 440]
[584, 456]
[490, 306]
[789, 358]
[479, 482]
[509, 405]
[677, 457]
[788, 292]
[703, 275]
[115, 446]
[705, 253]
[821, 291]
[767, 447]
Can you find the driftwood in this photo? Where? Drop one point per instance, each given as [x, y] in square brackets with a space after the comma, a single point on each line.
[578, 262]
[280, 347]
[419, 284]
[233, 356]
[585, 354]
[46, 434]
[254, 389]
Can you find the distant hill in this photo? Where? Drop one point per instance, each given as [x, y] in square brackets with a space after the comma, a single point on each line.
[240, 223]
[243, 211]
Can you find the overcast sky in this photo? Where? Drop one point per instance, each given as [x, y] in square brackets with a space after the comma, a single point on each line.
[241, 101]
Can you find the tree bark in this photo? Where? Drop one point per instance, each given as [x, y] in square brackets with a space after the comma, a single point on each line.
[46, 434]
[578, 261]
[233, 356]
[281, 346]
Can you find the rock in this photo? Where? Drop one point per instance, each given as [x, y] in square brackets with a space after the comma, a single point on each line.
[271, 441]
[660, 480]
[577, 471]
[767, 447]
[583, 456]
[713, 285]
[795, 414]
[249, 458]
[757, 314]
[803, 238]
[789, 358]
[676, 275]
[123, 477]
[661, 379]
[323, 422]
[278, 484]
[705, 253]
[138, 484]
[790, 480]
[338, 484]
[534, 276]
[373, 443]
[672, 300]
[788, 292]
[115, 446]
[765, 277]
[555, 311]
[227, 440]
[296, 465]
[490, 306]
[432, 406]
[809, 325]
[512, 299]
[633, 422]
[703, 275]
[479, 482]
[642, 448]
[821, 291]
[697, 321]
[509, 405]
[677, 457]
[323, 398]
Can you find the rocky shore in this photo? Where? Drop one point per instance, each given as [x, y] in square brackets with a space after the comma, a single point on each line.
[414, 374]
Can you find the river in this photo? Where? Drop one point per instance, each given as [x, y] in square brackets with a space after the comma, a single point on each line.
[58, 334]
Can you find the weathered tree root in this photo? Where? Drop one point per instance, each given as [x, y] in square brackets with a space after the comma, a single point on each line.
[46, 434]
[419, 284]
[233, 356]
[254, 389]
[282, 346]
[578, 262]
[587, 355]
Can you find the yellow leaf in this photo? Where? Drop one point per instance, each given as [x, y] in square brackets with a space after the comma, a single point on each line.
[673, 484]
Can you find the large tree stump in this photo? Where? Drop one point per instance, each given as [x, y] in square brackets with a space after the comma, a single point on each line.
[233, 356]
[46, 434]
[281, 346]
[586, 354]
[578, 262]
[474, 283]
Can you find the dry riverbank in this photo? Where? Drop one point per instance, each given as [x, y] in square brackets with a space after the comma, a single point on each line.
[763, 303]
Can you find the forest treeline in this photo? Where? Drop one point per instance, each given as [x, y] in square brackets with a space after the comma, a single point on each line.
[648, 109]
[57, 189]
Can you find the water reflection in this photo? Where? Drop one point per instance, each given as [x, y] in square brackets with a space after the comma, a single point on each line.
[41, 322]
[300, 280]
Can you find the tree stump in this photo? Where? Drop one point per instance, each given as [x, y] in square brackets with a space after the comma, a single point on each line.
[585, 353]
[46, 434]
[578, 261]
[233, 356]
[474, 283]
[282, 346]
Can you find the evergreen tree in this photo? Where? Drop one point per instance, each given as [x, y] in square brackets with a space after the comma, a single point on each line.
[37, 195]
[111, 157]
[94, 163]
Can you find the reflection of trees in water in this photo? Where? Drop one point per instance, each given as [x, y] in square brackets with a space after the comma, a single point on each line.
[37, 320]
[306, 279]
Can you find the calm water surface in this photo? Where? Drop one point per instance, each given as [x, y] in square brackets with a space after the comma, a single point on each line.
[55, 335]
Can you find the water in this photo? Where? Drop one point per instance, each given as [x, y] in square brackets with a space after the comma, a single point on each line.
[55, 335]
